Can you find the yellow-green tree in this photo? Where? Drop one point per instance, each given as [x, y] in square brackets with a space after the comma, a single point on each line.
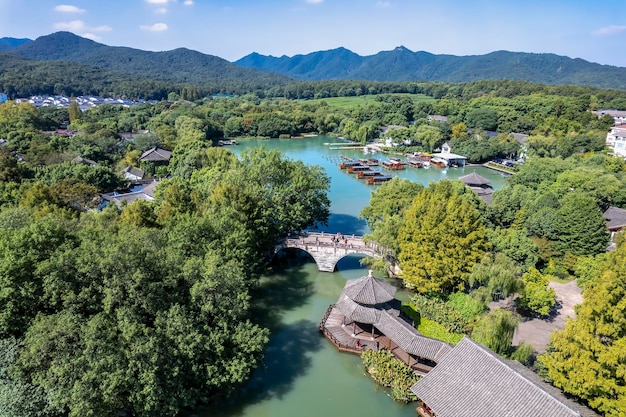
[441, 239]
[588, 358]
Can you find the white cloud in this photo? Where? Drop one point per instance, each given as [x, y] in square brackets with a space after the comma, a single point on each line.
[383, 4]
[67, 8]
[188, 2]
[158, 1]
[157, 27]
[161, 10]
[92, 36]
[79, 26]
[72, 26]
[315, 1]
[609, 30]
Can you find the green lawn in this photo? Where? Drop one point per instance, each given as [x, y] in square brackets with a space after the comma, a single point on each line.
[347, 103]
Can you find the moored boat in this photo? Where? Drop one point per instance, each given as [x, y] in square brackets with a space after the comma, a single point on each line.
[367, 174]
[379, 179]
[393, 164]
[438, 162]
[347, 164]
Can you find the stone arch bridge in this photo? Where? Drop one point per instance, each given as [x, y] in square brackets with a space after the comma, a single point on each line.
[328, 248]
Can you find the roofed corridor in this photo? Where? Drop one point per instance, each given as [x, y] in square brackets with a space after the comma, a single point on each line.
[341, 335]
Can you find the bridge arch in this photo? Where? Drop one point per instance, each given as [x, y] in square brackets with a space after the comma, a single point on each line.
[327, 249]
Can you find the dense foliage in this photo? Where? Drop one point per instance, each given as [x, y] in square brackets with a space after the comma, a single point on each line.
[441, 238]
[145, 309]
[587, 358]
[390, 372]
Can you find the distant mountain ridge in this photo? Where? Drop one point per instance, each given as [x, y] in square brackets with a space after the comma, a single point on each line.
[179, 65]
[402, 64]
[6, 44]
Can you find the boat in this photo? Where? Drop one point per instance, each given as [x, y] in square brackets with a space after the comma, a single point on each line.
[426, 164]
[367, 174]
[347, 164]
[373, 162]
[227, 142]
[438, 162]
[379, 179]
[357, 168]
[416, 163]
[393, 165]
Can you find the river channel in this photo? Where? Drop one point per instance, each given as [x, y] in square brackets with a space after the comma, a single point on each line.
[304, 375]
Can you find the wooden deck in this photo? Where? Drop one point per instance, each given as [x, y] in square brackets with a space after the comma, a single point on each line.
[340, 335]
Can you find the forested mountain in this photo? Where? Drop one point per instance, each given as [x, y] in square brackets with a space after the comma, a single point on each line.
[7, 44]
[21, 77]
[401, 64]
[180, 65]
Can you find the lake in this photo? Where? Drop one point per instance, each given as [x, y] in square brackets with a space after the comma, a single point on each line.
[303, 374]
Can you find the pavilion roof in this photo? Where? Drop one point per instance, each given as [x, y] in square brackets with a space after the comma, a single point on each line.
[474, 179]
[472, 380]
[369, 290]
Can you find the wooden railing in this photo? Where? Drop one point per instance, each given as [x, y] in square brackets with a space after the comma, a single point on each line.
[342, 347]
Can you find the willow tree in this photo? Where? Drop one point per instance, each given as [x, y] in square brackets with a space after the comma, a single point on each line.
[441, 239]
[588, 358]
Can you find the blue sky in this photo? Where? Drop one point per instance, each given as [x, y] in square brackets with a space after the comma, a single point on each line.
[592, 30]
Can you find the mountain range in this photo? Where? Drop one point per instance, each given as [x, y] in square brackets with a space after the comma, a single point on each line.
[179, 65]
[256, 71]
[402, 64]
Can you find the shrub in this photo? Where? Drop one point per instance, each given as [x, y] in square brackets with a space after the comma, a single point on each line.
[390, 372]
[468, 307]
[524, 353]
[435, 330]
[441, 312]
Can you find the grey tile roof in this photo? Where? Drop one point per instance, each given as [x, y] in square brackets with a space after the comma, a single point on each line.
[472, 380]
[357, 312]
[156, 154]
[474, 179]
[615, 218]
[410, 340]
[369, 290]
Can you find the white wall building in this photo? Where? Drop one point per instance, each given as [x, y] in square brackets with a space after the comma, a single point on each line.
[616, 140]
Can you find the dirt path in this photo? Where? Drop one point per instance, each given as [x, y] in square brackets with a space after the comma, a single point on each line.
[537, 331]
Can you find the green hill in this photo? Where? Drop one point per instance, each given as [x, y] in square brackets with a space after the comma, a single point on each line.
[401, 64]
[179, 65]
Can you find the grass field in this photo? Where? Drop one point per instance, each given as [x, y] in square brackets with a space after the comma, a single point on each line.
[346, 103]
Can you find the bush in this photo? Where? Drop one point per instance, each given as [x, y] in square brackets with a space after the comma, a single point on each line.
[437, 331]
[467, 306]
[524, 353]
[409, 310]
[441, 312]
[390, 372]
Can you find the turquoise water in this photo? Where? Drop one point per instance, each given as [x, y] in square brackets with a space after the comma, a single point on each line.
[303, 375]
[347, 194]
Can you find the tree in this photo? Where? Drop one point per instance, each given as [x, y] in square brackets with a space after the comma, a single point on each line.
[74, 110]
[19, 398]
[516, 245]
[495, 330]
[580, 225]
[385, 213]
[441, 238]
[498, 273]
[536, 296]
[586, 359]
[428, 136]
